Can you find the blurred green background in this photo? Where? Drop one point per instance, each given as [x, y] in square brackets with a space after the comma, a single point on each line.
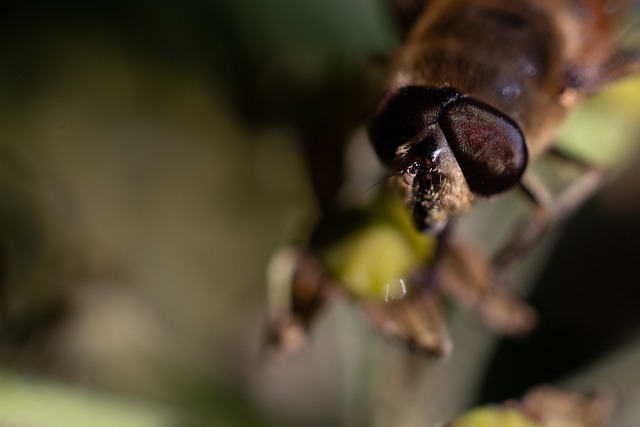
[149, 166]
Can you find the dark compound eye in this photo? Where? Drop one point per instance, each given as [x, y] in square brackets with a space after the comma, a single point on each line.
[488, 146]
[402, 114]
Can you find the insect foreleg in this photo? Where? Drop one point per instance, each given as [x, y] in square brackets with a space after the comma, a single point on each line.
[619, 66]
[549, 211]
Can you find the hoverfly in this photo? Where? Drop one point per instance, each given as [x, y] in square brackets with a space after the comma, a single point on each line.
[480, 88]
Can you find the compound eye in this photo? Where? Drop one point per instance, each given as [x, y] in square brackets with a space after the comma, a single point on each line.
[488, 146]
[402, 114]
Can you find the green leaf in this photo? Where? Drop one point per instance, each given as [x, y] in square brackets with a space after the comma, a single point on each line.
[28, 403]
[379, 252]
[605, 129]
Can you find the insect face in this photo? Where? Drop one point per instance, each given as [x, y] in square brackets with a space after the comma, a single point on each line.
[446, 149]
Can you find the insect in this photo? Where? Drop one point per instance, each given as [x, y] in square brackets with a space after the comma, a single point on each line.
[479, 89]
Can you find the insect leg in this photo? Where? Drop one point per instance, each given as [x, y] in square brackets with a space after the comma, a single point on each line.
[529, 233]
[297, 291]
[619, 66]
[547, 211]
[623, 65]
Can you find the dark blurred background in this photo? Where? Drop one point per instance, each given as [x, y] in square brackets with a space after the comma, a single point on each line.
[152, 158]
